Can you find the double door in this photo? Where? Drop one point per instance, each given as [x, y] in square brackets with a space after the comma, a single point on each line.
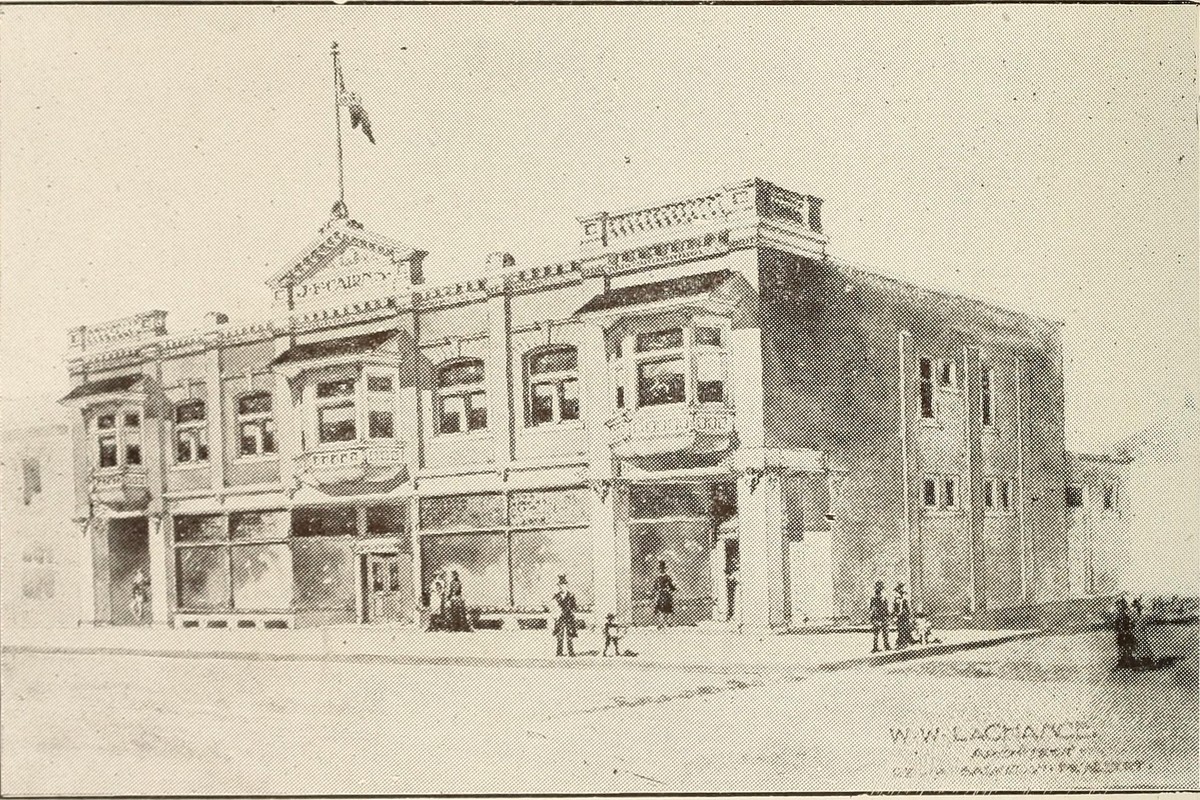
[387, 587]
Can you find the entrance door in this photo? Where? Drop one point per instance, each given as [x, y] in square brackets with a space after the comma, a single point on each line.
[387, 579]
[128, 564]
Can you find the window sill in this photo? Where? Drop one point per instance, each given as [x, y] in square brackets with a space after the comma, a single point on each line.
[931, 422]
[256, 459]
[462, 436]
[942, 513]
[190, 465]
[1001, 514]
[549, 427]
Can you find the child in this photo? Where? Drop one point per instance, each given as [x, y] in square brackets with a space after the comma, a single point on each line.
[612, 634]
[924, 629]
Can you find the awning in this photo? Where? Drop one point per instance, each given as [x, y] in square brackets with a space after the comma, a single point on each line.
[121, 383]
[363, 344]
[656, 292]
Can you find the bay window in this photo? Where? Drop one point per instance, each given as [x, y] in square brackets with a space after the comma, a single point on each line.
[335, 411]
[672, 366]
[381, 403]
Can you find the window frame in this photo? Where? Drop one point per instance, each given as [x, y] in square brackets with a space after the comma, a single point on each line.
[124, 435]
[1081, 489]
[338, 400]
[925, 400]
[377, 399]
[196, 429]
[259, 420]
[463, 391]
[987, 396]
[557, 380]
[626, 359]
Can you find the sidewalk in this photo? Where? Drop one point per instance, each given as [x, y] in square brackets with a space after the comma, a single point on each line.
[680, 649]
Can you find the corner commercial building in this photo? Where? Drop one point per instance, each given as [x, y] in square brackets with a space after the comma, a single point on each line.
[702, 384]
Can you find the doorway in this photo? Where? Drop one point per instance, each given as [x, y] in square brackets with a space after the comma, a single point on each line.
[128, 556]
[387, 587]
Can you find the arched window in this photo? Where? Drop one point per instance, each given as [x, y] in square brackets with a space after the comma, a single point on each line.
[553, 393]
[461, 404]
[256, 427]
[191, 432]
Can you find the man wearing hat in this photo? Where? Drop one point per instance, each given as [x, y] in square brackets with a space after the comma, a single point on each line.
[565, 627]
[902, 610]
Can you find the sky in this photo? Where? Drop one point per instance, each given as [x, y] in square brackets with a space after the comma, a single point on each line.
[1043, 158]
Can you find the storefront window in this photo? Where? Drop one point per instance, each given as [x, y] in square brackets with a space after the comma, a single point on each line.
[462, 511]
[203, 577]
[548, 508]
[481, 560]
[540, 556]
[323, 571]
[262, 576]
[336, 521]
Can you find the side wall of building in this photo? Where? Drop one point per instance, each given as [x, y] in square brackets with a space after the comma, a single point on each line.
[845, 356]
[39, 545]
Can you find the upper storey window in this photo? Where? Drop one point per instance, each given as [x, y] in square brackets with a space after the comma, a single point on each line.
[191, 432]
[461, 399]
[118, 439]
[553, 385]
[335, 411]
[673, 365]
[256, 426]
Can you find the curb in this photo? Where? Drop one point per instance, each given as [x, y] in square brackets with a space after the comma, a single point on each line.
[899, 656]
[578, 662]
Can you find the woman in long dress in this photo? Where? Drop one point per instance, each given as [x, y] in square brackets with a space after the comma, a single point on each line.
[663, 596]
[457, 607]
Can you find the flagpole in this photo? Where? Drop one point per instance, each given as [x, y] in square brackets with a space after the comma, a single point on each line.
[337, 116]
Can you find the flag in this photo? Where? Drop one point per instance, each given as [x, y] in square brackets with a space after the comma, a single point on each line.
[358, 115]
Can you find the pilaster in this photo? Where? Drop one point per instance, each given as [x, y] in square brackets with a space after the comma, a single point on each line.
[972, 483]
[87, 573]
[215, 411]
[160, 583]
[912, 533]
[763, 550]
[498, 373]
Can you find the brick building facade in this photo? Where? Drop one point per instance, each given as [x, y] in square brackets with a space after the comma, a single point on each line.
[701, 384]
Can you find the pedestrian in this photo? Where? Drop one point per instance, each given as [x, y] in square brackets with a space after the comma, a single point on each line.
[565, 626]
[880, 619]
[613, 633]
[902, 610]
[140, 595]
[456, 606]
[663, 596]
[437, 601]
[1143, 654]
[1123, 628]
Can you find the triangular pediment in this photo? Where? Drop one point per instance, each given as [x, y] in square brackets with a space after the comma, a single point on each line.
[346, 260]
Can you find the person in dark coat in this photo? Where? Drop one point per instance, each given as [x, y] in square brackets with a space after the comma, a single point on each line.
[565, 625]
[456, 605]
[663, 596]
[902, 609]
[880, 618]
[1123, 628]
